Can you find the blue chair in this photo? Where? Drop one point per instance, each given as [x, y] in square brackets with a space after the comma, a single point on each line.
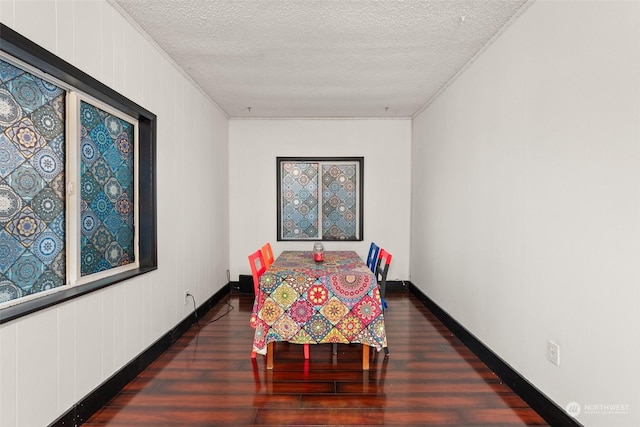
[372, 262]
[372, 258]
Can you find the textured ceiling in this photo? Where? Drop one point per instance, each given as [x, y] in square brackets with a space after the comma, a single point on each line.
[325, 58]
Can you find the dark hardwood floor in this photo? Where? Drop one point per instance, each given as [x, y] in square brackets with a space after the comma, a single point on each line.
[207, 378]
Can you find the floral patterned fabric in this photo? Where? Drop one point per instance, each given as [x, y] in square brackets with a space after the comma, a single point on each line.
[304, 302]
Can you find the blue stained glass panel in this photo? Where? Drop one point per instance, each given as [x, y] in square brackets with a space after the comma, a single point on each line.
[107, 169]
[299, 200]
[339, 201]
[31, 168]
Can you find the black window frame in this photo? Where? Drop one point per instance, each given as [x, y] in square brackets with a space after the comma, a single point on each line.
[358, 160]
[23, 49]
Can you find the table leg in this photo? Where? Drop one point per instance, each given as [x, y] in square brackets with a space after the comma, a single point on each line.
[365, 357]
[270, 348]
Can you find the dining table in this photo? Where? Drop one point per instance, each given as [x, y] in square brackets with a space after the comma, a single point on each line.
[303, 301]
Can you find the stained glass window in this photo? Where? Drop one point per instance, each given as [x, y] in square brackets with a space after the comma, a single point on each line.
[32, 182]
[300, 200]
[319, 198]
[107, 191]
[35, 212]
[77, 181]
[339, 198]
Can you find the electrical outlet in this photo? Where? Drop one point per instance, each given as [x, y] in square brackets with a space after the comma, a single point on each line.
[553, 352]
[186, 297]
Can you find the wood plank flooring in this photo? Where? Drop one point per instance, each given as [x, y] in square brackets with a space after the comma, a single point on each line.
[207, 378]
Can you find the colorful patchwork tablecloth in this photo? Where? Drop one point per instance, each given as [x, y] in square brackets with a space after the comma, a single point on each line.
[305, 302]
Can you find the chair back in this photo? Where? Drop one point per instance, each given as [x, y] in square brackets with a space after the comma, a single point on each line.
[382, 268]
[372, 258]
[258, 266]
[267, 254]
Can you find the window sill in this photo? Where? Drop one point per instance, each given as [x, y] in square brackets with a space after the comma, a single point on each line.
[28, 307]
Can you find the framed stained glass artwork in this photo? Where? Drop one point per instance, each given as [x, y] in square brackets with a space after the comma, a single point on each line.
[77, 182]
[107, 189]
[32, 181]
[319, 198]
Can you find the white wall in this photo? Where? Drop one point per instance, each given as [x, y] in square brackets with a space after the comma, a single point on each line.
[253, 148]
[53, 358]
[526, 211]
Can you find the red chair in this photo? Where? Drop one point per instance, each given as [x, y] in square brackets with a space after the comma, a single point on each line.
[382, 268]
[259, 262]
[267, 254]
[258, 267]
